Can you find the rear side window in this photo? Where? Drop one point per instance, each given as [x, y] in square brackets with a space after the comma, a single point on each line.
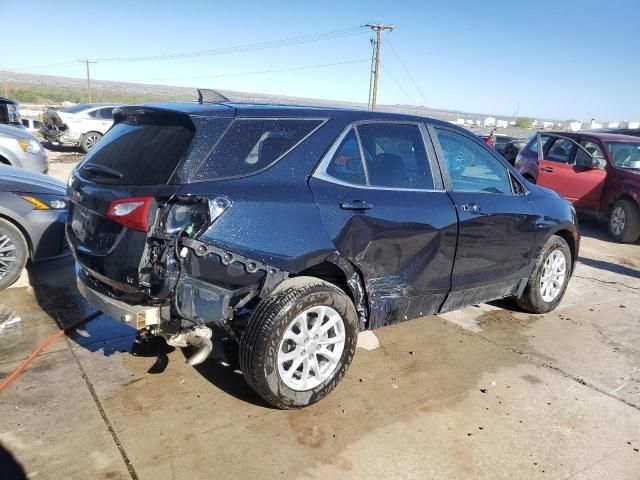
[394, 156]
[106, 113]
[346, 164]
[253, 145]
[137, 153]
[533, 143]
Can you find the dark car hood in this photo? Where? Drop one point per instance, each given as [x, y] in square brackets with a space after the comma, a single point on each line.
[14, 179]
[547, 191]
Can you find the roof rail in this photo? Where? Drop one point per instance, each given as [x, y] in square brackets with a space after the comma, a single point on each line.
[206, 95]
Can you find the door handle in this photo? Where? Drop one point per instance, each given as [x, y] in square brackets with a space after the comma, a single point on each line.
[548, 169]
[473, 208]
[356, 205]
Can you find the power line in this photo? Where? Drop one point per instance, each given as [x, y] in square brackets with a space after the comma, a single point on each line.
[242, 48]
[415, 84]
[398, 84]
[261, 72]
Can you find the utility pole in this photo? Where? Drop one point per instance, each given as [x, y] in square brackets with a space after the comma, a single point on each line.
[375, 60]
[87, 62]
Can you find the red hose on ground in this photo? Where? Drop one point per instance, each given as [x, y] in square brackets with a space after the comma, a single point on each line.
[11, 378]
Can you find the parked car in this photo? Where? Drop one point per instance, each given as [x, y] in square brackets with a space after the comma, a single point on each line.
[598, 172]
[22, 149]
[293, 228]
[512, 149]
[499, 141]
[33, 211]
[9, 112]
[31, 125]
[81, 125]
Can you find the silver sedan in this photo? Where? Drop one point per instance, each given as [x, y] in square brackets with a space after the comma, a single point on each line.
[20, 148]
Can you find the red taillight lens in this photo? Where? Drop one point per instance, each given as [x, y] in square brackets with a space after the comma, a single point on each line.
[133, 213]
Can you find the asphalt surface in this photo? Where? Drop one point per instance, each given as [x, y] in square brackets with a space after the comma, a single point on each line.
[484, 392]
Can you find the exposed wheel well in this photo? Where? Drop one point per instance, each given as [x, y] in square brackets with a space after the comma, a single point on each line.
[624, 196]
[331, 273]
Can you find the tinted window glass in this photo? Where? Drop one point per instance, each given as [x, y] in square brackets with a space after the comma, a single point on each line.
[249, 146]
[106, 113]
[561, 151]
[471, 167]
[395, 156]
[625, 154]
[533, 143]
[143, 154]
[596, 152]
[346, 164]
[25, 122]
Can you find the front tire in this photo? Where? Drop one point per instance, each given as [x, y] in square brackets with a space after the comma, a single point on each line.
[89, 141]
[624, 221]
[14, 253]
[549, 278]
[299, 342]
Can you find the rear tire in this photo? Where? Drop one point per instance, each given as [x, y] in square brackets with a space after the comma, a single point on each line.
[624, 221]
[549, 278]
[281, 347]
[89, 141]
[14, 253]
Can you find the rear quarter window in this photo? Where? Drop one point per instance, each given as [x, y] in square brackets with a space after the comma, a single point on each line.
[253, 145]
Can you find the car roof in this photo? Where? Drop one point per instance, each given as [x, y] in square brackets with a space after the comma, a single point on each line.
[603, 136]
[248, 110]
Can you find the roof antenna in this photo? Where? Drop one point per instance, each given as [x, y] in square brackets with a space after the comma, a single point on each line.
[206, 95]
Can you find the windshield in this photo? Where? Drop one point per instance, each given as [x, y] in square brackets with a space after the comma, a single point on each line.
[625, 154]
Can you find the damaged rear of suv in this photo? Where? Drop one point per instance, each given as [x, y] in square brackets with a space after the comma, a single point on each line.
[293, 228]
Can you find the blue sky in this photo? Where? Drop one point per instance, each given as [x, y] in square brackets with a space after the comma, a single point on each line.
[557, 59]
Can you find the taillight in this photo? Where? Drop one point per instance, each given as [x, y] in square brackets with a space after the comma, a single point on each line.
[133, 213]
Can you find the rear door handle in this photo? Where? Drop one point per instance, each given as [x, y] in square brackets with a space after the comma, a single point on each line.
[471, 208]
[356, 205]
[548, 169]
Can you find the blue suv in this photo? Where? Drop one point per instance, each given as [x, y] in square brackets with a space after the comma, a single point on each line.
[294, 228]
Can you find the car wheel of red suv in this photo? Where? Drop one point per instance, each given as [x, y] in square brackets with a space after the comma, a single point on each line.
[624, 221]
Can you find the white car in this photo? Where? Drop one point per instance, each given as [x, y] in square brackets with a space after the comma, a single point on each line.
[31, 124]
[81, 125]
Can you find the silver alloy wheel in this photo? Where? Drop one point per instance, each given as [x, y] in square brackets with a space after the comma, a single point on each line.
[617, 221]
[92, 140]
[554, 274]
[7, 256]
[311, 348]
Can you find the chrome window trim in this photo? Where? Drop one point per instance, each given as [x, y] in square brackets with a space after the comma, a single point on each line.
[321, 170]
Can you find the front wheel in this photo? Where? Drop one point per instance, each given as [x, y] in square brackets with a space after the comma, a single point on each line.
[549, 277]
[299, 342]
[89, 141]
[14, 253]
[624, 221]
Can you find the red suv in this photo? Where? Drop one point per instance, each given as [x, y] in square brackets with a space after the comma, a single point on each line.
[598, 172]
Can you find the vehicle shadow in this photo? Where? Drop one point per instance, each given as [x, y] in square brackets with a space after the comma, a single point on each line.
[54, 286]
[222, 369]
[9, 466]
[610, 267]
[592, 228]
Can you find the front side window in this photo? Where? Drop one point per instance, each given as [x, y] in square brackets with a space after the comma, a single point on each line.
[252, 145]
[106, 113]
[560, 151]
[471, 167]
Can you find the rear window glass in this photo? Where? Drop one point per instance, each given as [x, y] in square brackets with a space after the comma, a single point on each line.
[533, 142]
[137, 154]
[252, 145]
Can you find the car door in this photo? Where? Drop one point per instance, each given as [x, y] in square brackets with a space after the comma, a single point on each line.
[382, 202]
[105, 117]
[567, 168]
[496, 220]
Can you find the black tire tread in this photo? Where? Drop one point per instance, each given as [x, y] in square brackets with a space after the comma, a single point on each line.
[263, 319]
[22, 245]
[632, 213]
